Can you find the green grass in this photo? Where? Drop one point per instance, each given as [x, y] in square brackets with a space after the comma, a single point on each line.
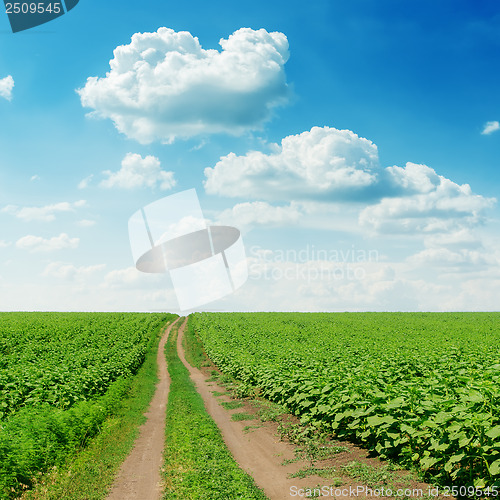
[237, 417]
[197, 463]
[90, 474]
[372, 476]
[249, 428]
[219, 393]
[193, 349]
[327, 472]
[231, 405]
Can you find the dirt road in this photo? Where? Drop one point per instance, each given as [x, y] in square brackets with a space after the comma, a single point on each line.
[139, 475]
[259, 453]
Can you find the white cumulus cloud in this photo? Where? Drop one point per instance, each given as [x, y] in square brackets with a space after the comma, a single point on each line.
[337, 168]
[130, 277]
[86, 223]
[84, 183]
[244, 215]
[446, 257]
[464, 238]
[66, 271]
[320, 163]
[40, 244]
[164, 85]
[428, 203]
[46, 213]
[136, 172]
[6, 86]
[490, 127]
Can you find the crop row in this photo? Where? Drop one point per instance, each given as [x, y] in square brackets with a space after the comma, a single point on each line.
[62, 358]
[421, 389]
[61, 375]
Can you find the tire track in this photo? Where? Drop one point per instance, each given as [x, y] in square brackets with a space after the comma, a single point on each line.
[139, 476]
[259, 454]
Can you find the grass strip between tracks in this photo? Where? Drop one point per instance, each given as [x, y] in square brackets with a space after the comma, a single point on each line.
[197, 463]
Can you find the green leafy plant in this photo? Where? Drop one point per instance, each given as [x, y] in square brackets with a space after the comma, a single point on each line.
[422, 389]
[236, 417]
[62, 375]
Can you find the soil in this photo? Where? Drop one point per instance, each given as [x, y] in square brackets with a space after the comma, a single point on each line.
[139, 476]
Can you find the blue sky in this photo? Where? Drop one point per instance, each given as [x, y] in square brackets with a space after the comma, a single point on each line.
[382, 195]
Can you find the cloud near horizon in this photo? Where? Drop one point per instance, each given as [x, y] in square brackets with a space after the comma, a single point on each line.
[63, 270]
[164, 85]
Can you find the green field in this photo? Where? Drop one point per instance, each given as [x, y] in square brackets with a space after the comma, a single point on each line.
[61, 376]
[422, 389]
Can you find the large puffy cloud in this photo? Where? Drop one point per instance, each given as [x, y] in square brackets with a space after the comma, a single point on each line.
[46, 213]
[320, 163]
[326, 166]
[6, 86]
[427, 203]
[39, 244]
[164, 85]
[137, 171]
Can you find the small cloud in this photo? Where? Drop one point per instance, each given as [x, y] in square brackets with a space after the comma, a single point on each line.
[45, 214]
[446, 257]
[70, 272]
[137, 172]
[84, 183]
[6, 86]
[4, 244]
[248, 214]
[39, 244]
[130, 278]
[35, 178]
[199, 146]
[490, 127]
[86, 223]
